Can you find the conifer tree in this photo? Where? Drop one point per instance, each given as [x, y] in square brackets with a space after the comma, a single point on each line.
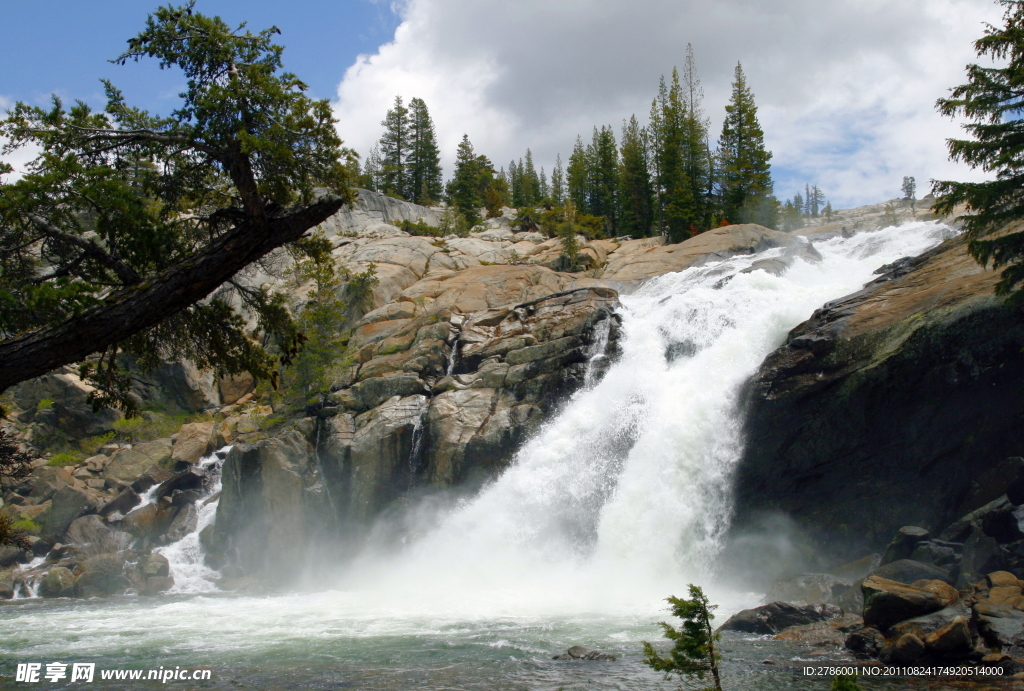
[604, 177]
[697, 159]
[676, 211]
[394, 148]
[577, 177]
[473, 184]
[744, 179]
[372, 170]
[635, 194]
[545, 191]
[424, 159]
[558, 182]
[531, 181]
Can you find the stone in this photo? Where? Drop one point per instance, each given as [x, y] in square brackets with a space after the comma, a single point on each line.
[184, 523]
[946, 593]
[905, 650]
[889, 602]
[185, 386]
[154, 475]
[156, 585]
[903, 543]
[578, 652]
[858, 569]
[981, 555]
[6, 585]
[10, 555]
[952, 641]
[91, 534]
[234, 386]
[1000, 625]
[67, 505]
[191, 478]
[831, 633]
[103, 575]
[150, 521]
[58, 582]
[121, 504]
[154, 565]
[776, 616]
[935, 553]
[128, 464]
[866, 642]
[927, 624]
[194, 441]
[70, 409]
[909, 571]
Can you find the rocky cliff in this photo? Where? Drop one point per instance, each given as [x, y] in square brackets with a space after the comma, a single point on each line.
[892, 406]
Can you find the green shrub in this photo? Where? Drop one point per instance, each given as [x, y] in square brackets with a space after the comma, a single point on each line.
[420, 228]
[44, 404]
[27, 526]
[151, 425]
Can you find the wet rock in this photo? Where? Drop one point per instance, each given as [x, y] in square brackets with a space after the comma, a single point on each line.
[9, 554]
[905, 650]
[889, 602]
[124, 502]
[155, 565]
[154, 475]
[150, 521]
[866, 642]
[578, 652]
[927, 624]
[157, 584]
[6, 585]
[952, 641]
[776, 616]
[981, 555]
[58, 582]
[102, 576]
[858, 569]
[936, 553]
[903, 543]
[832, 632]
[184, 523]
[1000, 625]
[189, 479]
[909, 571]
[194, 441]
[91, 534]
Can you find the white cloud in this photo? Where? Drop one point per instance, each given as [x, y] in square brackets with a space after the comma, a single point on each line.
[846, 90]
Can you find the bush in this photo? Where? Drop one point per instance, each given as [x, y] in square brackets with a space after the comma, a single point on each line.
[66, 458]
[27, 526]
[420, 228]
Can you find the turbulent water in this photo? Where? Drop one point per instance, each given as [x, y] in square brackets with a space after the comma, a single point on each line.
[619, 501]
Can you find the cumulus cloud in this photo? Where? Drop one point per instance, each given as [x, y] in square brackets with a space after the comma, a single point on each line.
[846, 90]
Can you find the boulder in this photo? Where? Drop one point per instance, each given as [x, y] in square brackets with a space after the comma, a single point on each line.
[191, 478]
[67, 505]
[128, 464]
[154, 475]
[149, 521]
[831, 633]
[858, 569]
[92, 536]
[952, 641]
[909, 571]
[889, 602]
[10, 555]
[937, 553]
[981, 555]
[578, 652]
[194, 441]
[234, 386]
[69, 408]
[184, 523]
[865, 642]
[928, 624]
[903, 543]
[905, 650]
[58, 582]
[6, 585]
[124, 502]
[156, 585]
[1000, 625]
[102, 576]
[776, 616]
[154, 565]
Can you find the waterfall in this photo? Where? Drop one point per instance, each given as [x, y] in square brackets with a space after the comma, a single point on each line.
[186, 556]
[629, 486]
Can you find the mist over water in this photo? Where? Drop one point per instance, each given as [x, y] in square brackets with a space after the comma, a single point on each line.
[619, 501]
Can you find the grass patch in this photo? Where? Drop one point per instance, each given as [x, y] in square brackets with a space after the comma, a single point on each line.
[27, 526]
[44, 404]
[66, 458]
[151, 425]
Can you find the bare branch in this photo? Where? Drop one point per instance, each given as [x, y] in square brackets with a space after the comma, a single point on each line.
[127, 274]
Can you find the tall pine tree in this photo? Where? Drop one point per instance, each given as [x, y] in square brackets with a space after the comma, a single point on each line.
[394, 148]
[696, 156]
[577, 175]
[675, 210]
[744, 178]
[558, 182]
[635, 194]
[603, 174]
[423, 164]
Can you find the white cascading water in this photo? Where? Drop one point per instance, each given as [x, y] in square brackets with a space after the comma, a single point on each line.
[627, 490]
[185, 557]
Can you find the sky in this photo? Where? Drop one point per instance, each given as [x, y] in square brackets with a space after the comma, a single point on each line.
[845, 89]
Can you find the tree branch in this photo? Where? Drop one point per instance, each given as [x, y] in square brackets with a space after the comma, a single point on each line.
[126, 273]
[131, 310]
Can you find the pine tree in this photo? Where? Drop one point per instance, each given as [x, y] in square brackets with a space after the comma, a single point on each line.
[635, 194]
[578, 180]
[394, 148]
[463, 189]
[745, 184]
[424, 160]
[531, 181]
[515, 183]
[697, 159]
[604, 177]
[545, 191]
[694, 652]
[558, 182]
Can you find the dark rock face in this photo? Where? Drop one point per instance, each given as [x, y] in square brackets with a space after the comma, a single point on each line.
[907, 389]
[774, 617]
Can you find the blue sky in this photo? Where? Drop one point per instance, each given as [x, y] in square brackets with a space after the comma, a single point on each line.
[845, 88]
[62, 46]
